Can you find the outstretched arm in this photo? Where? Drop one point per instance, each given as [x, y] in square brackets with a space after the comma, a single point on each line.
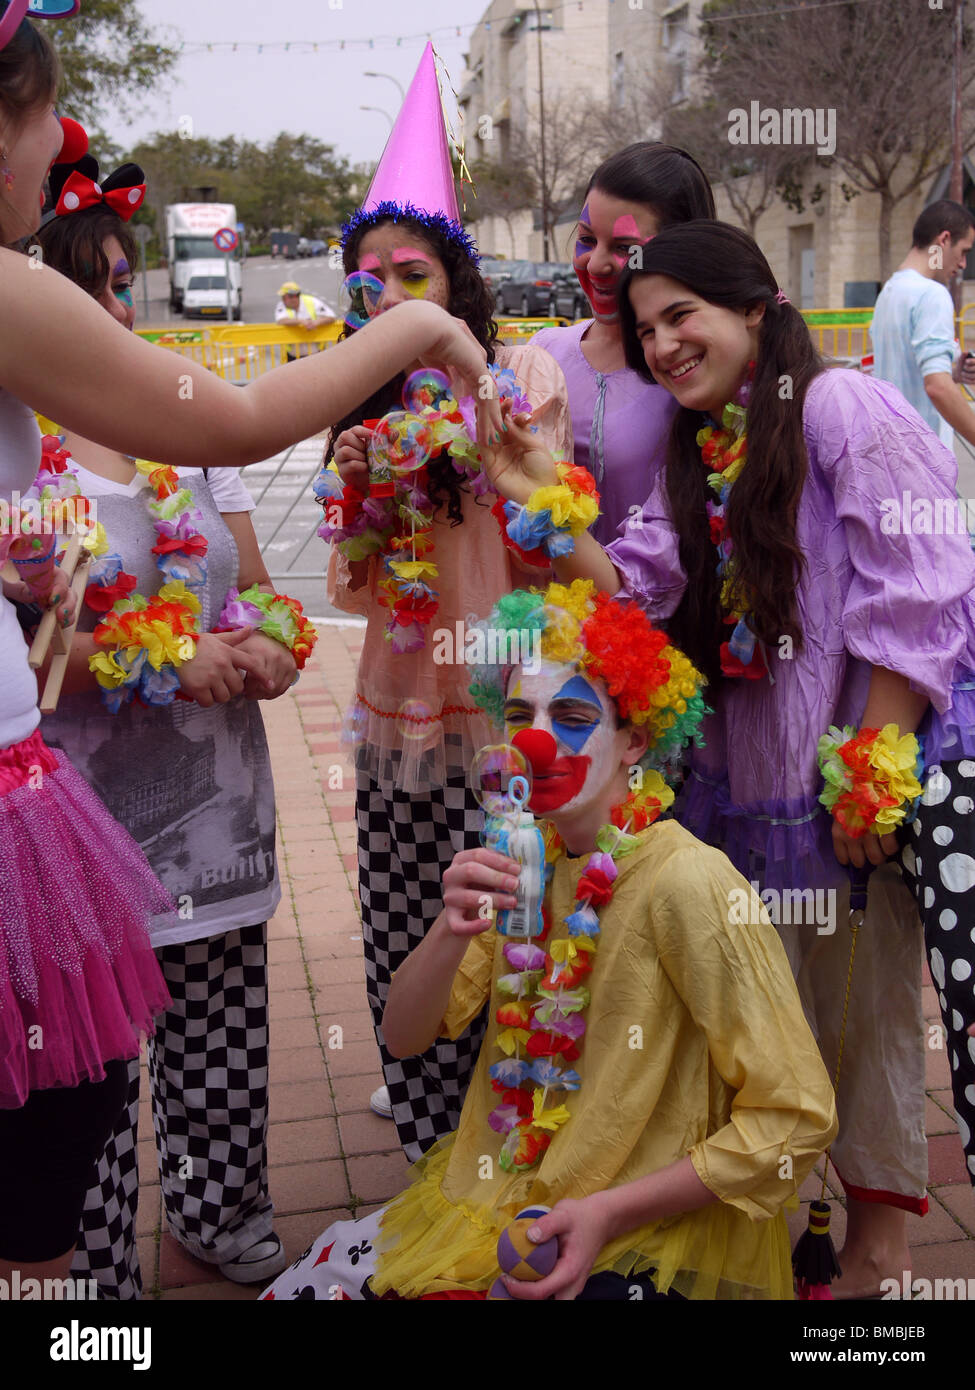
[64, 356]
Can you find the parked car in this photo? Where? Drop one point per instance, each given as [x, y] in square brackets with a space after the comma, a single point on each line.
[317, 248]
[493, 271]
[567, 299]
[529, 288]
[206, 296]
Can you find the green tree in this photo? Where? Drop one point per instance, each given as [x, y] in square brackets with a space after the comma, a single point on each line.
[110, 56]
[294, 181]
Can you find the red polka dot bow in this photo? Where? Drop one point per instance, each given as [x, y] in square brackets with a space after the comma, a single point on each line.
[80, 192]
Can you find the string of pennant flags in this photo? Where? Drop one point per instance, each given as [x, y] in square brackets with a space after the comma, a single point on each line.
[389, 41]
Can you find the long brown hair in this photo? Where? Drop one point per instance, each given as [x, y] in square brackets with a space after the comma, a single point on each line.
[723, 265]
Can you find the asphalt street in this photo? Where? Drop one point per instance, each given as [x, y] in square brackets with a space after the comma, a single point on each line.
[262, 279]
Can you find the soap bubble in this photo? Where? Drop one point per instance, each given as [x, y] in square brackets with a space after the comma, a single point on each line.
[501, 779]
[426, 387]
[400, 444]
[416, 721]
[360, 296]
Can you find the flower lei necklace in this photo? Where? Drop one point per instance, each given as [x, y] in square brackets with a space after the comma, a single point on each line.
[547, 998]
[396, 519]
[724, 450]
[147, 640]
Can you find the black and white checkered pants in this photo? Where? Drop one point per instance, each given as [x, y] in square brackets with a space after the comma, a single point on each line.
[406, 841]
[208, 1068]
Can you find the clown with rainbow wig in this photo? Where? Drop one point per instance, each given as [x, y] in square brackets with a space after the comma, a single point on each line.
[647, 1073]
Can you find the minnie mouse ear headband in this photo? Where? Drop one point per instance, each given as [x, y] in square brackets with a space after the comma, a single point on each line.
[76, 186]
[16, 11]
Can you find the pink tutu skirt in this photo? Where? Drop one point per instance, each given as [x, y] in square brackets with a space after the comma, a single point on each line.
[78, 979]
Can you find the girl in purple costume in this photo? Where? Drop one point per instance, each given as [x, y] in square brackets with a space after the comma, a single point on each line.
[860, 618]
[620, 422]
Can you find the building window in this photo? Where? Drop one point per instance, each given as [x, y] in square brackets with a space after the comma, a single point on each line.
[617, 79]
[675, 22]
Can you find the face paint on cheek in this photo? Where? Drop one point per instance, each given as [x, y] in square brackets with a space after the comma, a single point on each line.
[124, 296]
[417, 288]
[625, 226]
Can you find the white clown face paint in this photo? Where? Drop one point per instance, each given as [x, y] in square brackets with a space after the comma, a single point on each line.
[579, 714]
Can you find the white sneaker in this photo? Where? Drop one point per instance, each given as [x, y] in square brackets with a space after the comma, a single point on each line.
[258, 1264]
[379, 1102]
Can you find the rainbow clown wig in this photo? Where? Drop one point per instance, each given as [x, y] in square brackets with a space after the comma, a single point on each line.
[651, 682]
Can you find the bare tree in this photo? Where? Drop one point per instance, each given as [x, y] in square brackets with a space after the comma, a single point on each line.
[882, 71]
[501, 189]
[561, 177]
[751, 177]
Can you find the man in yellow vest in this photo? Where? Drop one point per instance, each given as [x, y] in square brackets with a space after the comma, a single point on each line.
[305, 311]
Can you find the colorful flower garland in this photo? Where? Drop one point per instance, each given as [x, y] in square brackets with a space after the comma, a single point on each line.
[724, 450]
[652, 684]
[395, 520]
[146, 640]
[871, 777]
[547, 999]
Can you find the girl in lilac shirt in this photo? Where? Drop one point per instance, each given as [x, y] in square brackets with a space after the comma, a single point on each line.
[620, 421]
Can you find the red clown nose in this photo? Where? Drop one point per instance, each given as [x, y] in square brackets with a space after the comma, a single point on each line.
[538, 746]
[75, 142]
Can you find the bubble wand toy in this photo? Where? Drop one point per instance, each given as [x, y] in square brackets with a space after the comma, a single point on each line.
[501, 781]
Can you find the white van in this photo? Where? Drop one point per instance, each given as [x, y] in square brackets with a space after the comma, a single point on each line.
[205, 293]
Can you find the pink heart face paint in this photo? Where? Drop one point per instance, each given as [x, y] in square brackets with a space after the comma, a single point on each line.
[579, 715]
[608, 230]
[405, 265]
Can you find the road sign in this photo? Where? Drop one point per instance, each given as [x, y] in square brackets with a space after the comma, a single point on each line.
[225, 239]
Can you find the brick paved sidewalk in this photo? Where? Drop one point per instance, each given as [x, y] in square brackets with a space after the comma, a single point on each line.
[329, 1155]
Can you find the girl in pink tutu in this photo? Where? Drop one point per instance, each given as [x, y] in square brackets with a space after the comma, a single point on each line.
[78, 981]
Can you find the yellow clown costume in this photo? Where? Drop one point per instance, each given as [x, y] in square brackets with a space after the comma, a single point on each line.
[694, 1043]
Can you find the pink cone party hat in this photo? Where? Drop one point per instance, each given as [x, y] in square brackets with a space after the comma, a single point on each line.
[415, 178]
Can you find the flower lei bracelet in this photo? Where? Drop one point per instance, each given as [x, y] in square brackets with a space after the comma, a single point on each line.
[395, 520]
[871, 777]
[547, 525]
[276, 615]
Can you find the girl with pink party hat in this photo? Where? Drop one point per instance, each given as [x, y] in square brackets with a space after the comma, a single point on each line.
[413, 724]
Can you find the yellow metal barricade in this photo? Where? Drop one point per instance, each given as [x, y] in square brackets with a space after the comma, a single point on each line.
[241, 352]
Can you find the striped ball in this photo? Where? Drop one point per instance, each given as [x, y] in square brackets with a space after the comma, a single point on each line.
[518, 1256]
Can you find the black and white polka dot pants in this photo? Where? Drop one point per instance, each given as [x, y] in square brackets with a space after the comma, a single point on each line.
[939, 858]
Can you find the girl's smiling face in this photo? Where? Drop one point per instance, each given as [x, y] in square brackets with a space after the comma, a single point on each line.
[406, 266]
[700, 351]
[608, 227]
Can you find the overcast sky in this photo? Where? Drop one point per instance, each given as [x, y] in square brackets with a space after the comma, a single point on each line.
[255, 95]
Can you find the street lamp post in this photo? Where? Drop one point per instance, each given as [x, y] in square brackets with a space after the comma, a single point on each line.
[389, 76]
[381, 112]
[541, 129]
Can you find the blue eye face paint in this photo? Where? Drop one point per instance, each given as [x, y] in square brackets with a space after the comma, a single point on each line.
[581, 247]
[578, 688]
[577, 734]
[123, 293]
